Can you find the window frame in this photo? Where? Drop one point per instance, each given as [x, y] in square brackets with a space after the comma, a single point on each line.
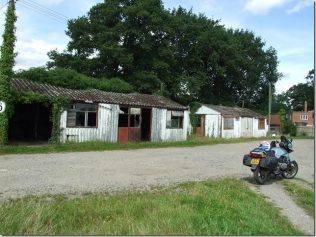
[225, 127]
[86, 115]
[259, 122]
[173, 118]
[131, 113]
[304, 117]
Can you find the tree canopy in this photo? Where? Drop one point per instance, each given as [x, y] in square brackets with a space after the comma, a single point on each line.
[185, 56]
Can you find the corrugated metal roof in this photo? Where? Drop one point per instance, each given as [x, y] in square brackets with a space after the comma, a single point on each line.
[133, 99]
[234, 111]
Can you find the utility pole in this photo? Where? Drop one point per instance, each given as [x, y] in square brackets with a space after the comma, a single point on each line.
[6, 70]
[270, 99]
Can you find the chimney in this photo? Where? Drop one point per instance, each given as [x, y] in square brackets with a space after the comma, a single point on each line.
[305, 106]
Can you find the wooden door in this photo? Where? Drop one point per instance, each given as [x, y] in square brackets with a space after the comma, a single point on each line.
[246, 127]
[200, 127]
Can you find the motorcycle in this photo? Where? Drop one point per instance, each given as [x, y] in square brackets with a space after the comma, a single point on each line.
[269, 159]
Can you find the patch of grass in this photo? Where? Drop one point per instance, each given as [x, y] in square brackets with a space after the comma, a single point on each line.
[102, 146]
[302, 193]
[220, 207]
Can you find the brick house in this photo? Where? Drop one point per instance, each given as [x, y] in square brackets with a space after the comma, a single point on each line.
[303, 118]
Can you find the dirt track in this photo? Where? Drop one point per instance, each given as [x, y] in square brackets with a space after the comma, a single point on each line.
[21, 175]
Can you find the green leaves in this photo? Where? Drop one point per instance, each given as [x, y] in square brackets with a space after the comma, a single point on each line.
[192, 57]
[71, 79]
[6, 68]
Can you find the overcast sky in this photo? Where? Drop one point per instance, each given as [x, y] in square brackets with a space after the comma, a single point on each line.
[286, 25]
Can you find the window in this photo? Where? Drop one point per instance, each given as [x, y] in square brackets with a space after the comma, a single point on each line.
[261, 123]
[123, 118]
[228, 123]
[134, 119]
[129, 117]
[82, 115]
[304, 117]
[175, 119]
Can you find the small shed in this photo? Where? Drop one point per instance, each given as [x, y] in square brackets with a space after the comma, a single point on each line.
[229, 122]
[104, 116]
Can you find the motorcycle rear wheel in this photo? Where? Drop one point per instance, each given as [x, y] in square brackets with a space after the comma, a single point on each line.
[261, 175]
[292, 171]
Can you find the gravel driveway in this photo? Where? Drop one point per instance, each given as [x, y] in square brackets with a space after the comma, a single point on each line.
[118, 170]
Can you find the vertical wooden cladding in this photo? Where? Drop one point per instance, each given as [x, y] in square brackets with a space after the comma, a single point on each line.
[106, 129]
[151, 126]
[160, 132]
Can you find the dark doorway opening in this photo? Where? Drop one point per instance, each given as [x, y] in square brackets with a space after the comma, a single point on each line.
[146, 124]
[30, 123]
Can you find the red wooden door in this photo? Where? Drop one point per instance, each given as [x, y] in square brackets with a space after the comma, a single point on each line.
[122, 135]
[201, 126]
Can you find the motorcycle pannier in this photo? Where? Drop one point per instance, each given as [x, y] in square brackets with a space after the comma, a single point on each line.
[270, 163]
[246, 161]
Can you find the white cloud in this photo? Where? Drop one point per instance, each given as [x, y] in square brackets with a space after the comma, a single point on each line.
[261, 7]
[301, 4]
[33, 52]
[294, 73]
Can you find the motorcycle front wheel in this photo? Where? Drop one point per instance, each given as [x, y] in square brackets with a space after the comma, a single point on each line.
[261, 175]
[291, 171]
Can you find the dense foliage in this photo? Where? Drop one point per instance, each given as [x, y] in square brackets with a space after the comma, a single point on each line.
[287, 126]
[71, 79]
[6, 69]
[177, 53]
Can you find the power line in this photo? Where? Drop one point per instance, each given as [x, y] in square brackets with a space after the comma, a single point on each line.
[42, 7]
[55, 16]
[40, 12]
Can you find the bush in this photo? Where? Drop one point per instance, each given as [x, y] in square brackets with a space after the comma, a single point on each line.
[293, 130]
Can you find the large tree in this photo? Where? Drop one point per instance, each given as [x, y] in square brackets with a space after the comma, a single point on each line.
[177, 53]
[6, 68]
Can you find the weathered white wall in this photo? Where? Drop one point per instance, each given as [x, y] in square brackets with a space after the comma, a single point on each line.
[160, 132]
[106, 130]
[232, 133]
[212, 125]
[243, 126]
[206, 110]
[212, 121]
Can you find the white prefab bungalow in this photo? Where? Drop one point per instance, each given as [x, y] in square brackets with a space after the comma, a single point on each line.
[99, 115]
[230, 122]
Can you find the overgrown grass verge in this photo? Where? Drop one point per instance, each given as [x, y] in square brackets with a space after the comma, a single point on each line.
[102, 146]
[302, 193]
[220, 207]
